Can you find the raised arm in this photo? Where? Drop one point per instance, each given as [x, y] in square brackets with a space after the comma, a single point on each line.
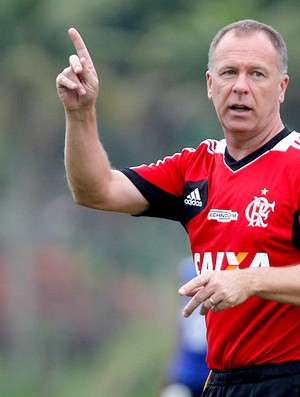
[92, 180]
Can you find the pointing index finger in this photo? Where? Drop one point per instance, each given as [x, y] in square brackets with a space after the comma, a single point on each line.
[193, 286]
[79, 44]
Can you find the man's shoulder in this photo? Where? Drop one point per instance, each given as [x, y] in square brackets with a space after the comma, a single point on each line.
[292, 140]
[207, 146]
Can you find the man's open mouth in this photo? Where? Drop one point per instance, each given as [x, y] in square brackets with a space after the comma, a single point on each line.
[240, 108]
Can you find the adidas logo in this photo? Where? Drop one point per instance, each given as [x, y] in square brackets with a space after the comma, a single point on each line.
[194, 199]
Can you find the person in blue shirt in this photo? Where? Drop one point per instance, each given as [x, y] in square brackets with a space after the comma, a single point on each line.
[187, 371]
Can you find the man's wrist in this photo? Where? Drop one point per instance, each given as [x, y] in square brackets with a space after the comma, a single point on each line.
[84, 114]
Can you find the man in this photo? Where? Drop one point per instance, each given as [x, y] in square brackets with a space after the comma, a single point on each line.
[237, 198]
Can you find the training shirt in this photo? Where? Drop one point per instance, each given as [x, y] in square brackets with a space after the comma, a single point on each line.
[238, 214]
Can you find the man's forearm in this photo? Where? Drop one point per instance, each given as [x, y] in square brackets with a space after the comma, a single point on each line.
[87, 165]
[279, 284]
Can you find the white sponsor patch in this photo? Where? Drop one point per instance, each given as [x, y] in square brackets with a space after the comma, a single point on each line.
[222, 215]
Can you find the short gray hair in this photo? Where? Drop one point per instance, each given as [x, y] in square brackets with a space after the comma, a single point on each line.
[252, 26]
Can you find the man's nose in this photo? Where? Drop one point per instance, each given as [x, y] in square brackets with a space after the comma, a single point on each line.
[241, 84]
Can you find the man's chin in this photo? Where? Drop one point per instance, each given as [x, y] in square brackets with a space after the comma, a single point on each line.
[237, 128]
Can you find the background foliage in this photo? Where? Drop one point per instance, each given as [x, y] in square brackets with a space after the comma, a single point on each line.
[86, 298]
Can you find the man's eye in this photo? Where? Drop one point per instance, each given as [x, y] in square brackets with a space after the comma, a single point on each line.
[257, 74]
[228, 73]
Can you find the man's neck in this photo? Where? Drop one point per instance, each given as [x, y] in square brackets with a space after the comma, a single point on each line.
[241, 144]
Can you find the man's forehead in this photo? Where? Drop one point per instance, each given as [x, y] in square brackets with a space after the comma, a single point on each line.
[247, 36]
[245, 43]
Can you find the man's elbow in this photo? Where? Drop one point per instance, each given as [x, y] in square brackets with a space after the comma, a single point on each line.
[84, 200]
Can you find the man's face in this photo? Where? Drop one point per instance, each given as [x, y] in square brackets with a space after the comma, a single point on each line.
[244, 83]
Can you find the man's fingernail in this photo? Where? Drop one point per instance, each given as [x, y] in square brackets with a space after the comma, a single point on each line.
[203, 311]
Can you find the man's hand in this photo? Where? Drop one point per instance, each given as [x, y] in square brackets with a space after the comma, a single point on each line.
[216, 290]
[77, 85]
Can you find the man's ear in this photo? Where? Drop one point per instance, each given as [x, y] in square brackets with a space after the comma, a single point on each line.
[208, 84]
[283, 86]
